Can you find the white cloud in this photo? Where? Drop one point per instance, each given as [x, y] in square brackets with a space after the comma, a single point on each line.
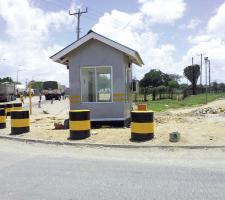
[163, 11]
[216, 23]
[193, 23]
[139, 37]
[211, 43]
[199, 38]
[28, 43]
[29, 28]
[213, 48]
[137, 34]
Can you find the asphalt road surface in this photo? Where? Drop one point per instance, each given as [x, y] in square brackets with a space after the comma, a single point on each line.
[35, 101]
[34, 171]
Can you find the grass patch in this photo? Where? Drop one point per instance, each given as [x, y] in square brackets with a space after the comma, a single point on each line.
[165, 104]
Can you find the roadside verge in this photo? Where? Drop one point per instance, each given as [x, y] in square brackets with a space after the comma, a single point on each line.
[108, 145]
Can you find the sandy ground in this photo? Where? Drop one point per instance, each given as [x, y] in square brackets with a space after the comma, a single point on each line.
[195, 129]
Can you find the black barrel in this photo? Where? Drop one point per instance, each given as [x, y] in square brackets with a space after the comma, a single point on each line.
[142, 125]
[20, 122]
[79, 124]
[3, 106]
[17, 106]
[9, 108]
[2, 119]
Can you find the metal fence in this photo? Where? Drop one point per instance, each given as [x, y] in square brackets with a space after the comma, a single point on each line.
[149, 93]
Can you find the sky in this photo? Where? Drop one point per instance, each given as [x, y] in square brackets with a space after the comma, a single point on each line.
[166, 33]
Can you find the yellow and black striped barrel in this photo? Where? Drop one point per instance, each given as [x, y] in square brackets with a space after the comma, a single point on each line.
[9, 108]
[3, 106]
[2, 119]
[142, 125]
[80, 124]
[17, 106]
[20, 122]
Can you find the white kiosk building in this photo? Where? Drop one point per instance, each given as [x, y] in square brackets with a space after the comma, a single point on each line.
[100, 77]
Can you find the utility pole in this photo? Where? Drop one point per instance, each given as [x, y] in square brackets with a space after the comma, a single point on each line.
[192, 60]
[206, 82]
[30, 98]
[201, 70]
[17, 75]
[26, 83]
[201, 55]
[209, 76]
[79, 13]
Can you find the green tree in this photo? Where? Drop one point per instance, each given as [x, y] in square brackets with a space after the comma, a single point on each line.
[172, 85]
[215, 86]
[161, 90]
[183, 86]
[175, 77]
[36, 85]
[6, 79]
[103, 81]
[221, 87]
[192, 73]
[153, 78]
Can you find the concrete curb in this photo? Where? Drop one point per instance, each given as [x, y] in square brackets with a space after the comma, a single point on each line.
[106, 145]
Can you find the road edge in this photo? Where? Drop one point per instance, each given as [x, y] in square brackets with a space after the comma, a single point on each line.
[107, 145]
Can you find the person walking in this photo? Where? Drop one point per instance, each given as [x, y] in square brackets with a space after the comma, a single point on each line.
[40, 96]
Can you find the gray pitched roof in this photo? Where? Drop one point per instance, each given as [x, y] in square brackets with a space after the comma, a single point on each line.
[61, 56]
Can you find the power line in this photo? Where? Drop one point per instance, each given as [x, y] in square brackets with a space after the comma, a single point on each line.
[116, 20]
[56, 4]
[92, 12]
[78, 14]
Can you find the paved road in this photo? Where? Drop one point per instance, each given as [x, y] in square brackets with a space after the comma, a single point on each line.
[34, 171]
[35, 101]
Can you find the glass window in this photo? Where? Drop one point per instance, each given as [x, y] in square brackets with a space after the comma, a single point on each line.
[104, 84]
[96, 84]
[88, 85]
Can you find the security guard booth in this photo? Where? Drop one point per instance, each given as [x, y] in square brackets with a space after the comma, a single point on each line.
[100, 77]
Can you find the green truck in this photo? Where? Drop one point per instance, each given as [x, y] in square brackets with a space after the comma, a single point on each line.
[51, 90]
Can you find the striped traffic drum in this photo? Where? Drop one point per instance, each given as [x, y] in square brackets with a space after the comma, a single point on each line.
[2, 106]
[79, 124]
[9, 108]
[2, 119]
[20, 122]
[17, 106]
[142, 125]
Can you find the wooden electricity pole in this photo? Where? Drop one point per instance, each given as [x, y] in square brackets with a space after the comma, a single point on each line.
[206, 81]
[201, 70]
[78, 14]
[209, 76]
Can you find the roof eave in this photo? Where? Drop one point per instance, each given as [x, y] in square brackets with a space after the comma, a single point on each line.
[140, 61]
[136, 59]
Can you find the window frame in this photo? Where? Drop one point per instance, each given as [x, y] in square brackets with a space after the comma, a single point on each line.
[96, 86]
